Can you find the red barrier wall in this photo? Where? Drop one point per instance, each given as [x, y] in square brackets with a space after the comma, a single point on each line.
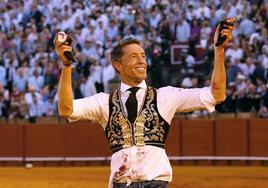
[231, 137]
[197, 138]
[44, 140]
[223, 137]
[85, 139]
[258, 137]
[11, 141]
[173, 144]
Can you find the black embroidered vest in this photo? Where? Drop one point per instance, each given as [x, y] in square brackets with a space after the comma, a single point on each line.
[149, 127]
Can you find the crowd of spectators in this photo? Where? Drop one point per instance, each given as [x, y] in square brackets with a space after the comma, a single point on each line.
[30, 69]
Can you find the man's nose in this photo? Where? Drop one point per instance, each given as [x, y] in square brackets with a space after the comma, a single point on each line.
[140, 59]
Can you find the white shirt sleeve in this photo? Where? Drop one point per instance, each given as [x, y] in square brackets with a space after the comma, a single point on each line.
[171, 100]
[91, 108]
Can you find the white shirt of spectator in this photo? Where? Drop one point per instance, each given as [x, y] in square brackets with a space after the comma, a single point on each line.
[219, 14]
[154, 19]
[36, 81]
[88, 88]
[21, 80]
[183, 31]
[2, 75]
[147, 4]
[112, 30]
[50, 108]
[89, 33]
[36, 107]
[264, 60]
[247, 68]
[28, 96]
[234, 53]
[203, 12]
[100, 32]
[108, 73]
[90, 50]
[169, 101]
[96, 72]
[247, 27]
[232, 11]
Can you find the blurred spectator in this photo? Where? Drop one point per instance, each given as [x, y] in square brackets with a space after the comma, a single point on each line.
[88, 87]
[213, 19]
[50, 107]
[2, 73]
[195, 30]
[229, 105]
[241, 82]
[190, 13]
[21, 80]
[36, 80]
[36, 108]
[10, 75]
[263, 57]
[232, 70]
[203, 12]
[14, 111]
[29, 95]
[205, 33]
[4, 107]
[247, 26]
[248, 67]
[183, 30]
[235, 52]
[96, 74]
[108, 72]
[263, 113]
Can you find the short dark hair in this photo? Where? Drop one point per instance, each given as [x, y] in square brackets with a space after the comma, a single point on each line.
[117, 51]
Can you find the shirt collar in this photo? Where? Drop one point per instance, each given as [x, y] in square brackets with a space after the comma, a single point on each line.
[124, 87]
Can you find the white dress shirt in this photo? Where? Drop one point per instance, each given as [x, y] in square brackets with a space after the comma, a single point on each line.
[140, 162]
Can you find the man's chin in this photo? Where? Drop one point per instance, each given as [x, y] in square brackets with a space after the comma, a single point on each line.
[143, 78]
[140, 79]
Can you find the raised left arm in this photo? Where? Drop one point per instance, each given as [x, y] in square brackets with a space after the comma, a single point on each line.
[218, 81]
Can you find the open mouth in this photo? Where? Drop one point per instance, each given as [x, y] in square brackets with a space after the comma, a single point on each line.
[140, 69]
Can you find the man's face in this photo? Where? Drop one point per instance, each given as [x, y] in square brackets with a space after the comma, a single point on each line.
[133, 66]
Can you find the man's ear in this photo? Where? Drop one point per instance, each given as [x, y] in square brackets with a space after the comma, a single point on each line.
[117, 66]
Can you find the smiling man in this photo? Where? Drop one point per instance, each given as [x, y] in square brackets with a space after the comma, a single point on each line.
[136, 117]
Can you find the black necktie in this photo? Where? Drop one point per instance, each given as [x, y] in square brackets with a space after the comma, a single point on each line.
[132, 104]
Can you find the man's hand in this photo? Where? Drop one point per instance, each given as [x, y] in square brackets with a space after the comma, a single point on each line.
[225, 30]
[60, 49]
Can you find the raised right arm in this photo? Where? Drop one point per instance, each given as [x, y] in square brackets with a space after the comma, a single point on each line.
[65, 92]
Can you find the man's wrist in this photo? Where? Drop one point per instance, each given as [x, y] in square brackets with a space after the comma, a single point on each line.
[218, 48]
[66, 64]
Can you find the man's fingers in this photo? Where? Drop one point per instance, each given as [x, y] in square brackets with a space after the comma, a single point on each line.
[231, 20]
[230, 27]
[66, 48]
[228, 35]
[225, 32]
[63, 48]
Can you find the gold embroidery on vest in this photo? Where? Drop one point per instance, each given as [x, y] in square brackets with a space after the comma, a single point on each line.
[147, 126]
[154, 127]
[139, 129]
[117, 121]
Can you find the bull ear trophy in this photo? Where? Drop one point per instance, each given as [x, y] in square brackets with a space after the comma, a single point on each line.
[223, 25]
[63, 38]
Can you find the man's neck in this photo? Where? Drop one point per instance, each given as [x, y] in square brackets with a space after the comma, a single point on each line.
[132, 84]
